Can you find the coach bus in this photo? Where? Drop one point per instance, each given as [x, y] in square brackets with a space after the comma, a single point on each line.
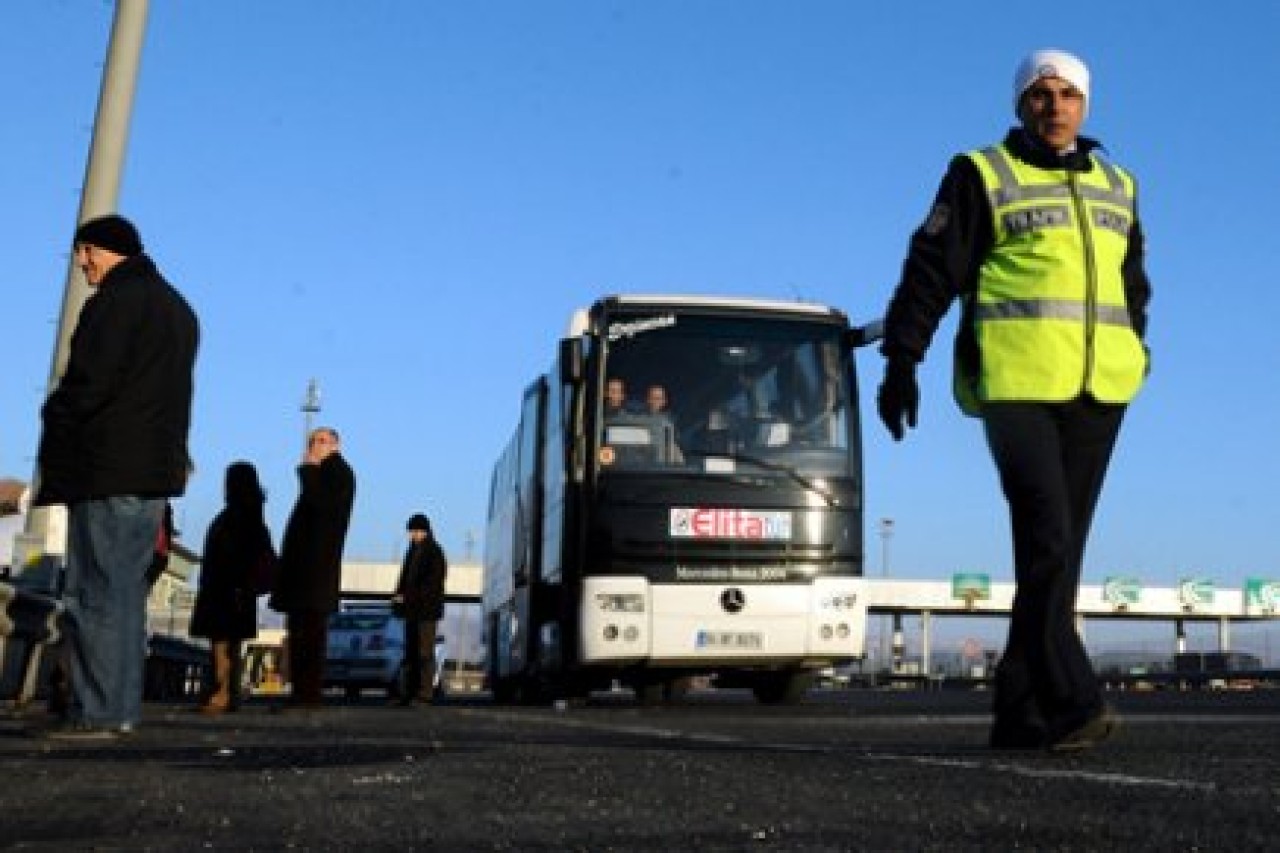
[682, 496]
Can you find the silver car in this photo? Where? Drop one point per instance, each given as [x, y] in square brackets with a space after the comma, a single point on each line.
[366, 649]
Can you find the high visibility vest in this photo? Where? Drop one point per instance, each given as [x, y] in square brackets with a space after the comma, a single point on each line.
[1049, 312]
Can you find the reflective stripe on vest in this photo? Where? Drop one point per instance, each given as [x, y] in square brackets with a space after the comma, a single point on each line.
[1049, 311]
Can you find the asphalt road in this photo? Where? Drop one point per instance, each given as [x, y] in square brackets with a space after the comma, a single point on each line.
[848, 770]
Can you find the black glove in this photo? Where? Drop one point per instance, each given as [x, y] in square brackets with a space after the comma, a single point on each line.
[899, 396]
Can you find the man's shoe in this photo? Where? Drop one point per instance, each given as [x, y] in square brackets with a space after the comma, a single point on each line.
[1096, 728]
[82, 731]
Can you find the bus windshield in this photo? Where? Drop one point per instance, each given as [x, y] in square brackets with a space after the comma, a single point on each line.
[724, 395]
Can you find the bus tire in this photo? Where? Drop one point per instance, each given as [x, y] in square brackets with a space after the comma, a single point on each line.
[650, 692]
[677, 689]
[505, 690]
[781, 688]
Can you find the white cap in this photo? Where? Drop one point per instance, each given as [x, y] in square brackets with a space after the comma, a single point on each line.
[1050, 63]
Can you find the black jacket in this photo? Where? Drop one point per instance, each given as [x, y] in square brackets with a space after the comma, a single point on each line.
[226, 604]
[948, 250]
[421, 583]
[310, 572]
[117, 423]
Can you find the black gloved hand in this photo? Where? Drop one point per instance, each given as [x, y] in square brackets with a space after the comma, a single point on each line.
[899, 396]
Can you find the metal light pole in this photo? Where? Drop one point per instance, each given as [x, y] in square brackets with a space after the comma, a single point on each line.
[310, 408]
[886, 533]
[98, 197]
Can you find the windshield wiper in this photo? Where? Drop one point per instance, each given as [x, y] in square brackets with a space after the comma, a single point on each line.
[792, 473]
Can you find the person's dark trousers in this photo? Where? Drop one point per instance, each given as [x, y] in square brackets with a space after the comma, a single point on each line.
[420, 658]
[308, 632]
[1052, 459]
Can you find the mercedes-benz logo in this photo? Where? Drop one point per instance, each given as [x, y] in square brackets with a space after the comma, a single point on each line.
[732, 600]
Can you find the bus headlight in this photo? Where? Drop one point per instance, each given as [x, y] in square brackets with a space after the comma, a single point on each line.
[620, 602]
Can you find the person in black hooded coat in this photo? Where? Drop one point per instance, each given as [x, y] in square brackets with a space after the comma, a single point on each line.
[226, 608]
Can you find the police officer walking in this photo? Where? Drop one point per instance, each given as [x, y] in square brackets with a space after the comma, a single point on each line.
[1039, 239]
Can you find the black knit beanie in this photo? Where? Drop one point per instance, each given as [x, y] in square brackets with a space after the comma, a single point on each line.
[113, 233]
[418, 522]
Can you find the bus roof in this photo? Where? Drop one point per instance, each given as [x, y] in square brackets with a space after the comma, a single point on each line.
[750, 303]
[581, 319]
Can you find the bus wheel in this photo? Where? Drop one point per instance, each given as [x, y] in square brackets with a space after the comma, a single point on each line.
[650, 692]
[781, 688]
[505, 691]
[678, 688]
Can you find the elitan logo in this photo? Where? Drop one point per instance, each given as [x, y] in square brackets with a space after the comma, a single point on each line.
[707, 523]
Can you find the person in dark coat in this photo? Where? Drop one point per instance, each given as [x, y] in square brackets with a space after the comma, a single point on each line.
[236, 548]
[310, 575]
[113, 449]
[419, 599]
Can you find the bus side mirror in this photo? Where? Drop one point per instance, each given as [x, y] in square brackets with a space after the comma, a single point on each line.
[571, 361]
[861, 336]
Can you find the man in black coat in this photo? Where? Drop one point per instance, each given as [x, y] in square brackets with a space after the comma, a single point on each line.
[310, 573]
[419, 599]
[113, 449]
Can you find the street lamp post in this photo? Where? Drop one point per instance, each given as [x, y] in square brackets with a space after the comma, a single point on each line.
[310, 407]
[32, 548]
[886, 533]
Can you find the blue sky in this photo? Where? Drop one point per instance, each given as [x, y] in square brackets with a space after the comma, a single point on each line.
[406, 200]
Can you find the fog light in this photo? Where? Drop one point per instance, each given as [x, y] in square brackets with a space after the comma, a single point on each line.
[611, 632]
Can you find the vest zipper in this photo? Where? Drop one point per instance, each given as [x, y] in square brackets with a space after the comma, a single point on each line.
[1090, 278]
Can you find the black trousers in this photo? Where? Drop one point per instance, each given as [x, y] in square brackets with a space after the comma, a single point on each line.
[419, 658]
[308, 633]
[1052, 459]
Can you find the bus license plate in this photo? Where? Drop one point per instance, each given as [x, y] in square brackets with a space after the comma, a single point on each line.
[729, 640]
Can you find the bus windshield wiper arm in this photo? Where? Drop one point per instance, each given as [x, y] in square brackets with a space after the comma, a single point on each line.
[792, 473]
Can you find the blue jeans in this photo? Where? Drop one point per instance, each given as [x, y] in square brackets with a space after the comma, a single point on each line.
[110, 542]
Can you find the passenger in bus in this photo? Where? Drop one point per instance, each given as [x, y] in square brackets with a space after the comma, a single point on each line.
[616, 403]
[663, 425]
[624, 428]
